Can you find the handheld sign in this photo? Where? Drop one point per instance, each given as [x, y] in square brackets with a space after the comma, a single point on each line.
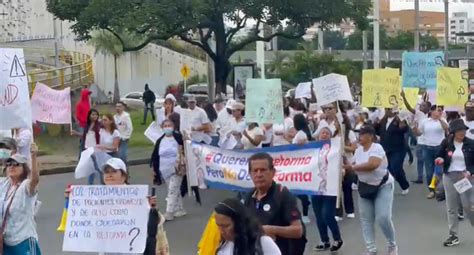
[381, 88]
[264, 102]
[452, 88]
[419, 68]
[332, 87]
[107, 219]
[15, 107]
[51, 106]
[303, 90]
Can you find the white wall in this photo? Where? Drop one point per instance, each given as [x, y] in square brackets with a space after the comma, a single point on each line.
[155, 65]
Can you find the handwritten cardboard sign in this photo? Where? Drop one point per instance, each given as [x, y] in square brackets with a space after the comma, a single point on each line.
[264, 102]
[51, 106]
[107, 219]
[381, 88]
[15, 107]
[303, 90]
[452, 88]
[332, 87]
[419, 68]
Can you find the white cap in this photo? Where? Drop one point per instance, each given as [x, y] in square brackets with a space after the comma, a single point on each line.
[170, 96]
[229, 104]
[116, 164]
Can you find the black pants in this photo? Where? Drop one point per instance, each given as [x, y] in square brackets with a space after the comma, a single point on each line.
[305, 204]
[395, 166]
[149, 107]
[348, 200]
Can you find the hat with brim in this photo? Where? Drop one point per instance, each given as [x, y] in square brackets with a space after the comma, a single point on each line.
[191, 99]
[457, 125]
[170, 97]
[116, 164]
[7, 142]
[18, 158]
[367, 130]
[238, 106]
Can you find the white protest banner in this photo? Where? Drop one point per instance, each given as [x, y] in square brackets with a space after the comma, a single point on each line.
[263, 101]
[51, 106]
[153, 132]
[15, 107]
[332, 87]
[160, 115]
[312, 169]
[303, 90]
[109, 219]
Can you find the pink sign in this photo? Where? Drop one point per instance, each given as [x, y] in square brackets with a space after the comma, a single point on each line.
[51, 106]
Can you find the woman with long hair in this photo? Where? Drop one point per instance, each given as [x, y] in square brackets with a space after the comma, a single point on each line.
[109, 135]
[212, 115]
[241, 233]
[19, 189]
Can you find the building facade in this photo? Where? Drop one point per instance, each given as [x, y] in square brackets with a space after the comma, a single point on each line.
[459, 23]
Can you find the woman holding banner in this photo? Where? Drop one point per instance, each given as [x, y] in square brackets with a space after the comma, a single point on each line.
[376, 187]
[19, 191]
[324, 208]
[167, 161]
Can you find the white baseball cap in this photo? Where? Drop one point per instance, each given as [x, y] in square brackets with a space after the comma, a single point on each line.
[170, 96]
[116, 164]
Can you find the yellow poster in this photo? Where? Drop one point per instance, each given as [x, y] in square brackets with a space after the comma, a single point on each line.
[452, 88]
[381, 88]
[411, 95]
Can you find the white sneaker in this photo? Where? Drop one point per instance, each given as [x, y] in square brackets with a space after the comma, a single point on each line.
[339, 218]
[405, 192]
[180, 213]
[351, 216]
[306, 220]
[354, 186]
[169, 216]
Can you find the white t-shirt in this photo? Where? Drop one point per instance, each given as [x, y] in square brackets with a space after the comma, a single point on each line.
[21, 223]
[268, 135]
[323, 124]
[124, 125]
[269, 247]
[198, 117]
[168, 152]
[432, 131]
[223, 122]
[353, 140]
[419, 118]
[252, 133]
[458, 163]
[470, 132]
[300, 137]
[107, 139]
[279, 129]
[90, 139]
[361, 157]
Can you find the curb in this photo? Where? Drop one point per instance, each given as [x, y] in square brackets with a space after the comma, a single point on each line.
[71, 168]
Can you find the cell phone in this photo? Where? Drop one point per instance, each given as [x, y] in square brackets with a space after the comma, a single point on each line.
[153, 191]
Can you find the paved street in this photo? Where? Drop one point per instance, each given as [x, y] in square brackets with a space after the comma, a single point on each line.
[420, 224]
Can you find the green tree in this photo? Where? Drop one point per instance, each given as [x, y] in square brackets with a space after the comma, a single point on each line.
[404, 40]
[333, 39]
[354, 41]
[288, 43]
[199, 21]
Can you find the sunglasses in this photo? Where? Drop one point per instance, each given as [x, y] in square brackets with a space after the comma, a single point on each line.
[12, 164]
[328, 108]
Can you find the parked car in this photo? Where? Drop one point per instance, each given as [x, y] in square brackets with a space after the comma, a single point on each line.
[134, 100]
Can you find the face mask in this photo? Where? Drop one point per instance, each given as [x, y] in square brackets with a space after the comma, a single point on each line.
[5, 153]
[168, 131]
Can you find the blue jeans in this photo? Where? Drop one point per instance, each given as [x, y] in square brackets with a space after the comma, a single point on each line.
[123, 150]
[419, 161]
[395, 166]
[325, 211]
[28, 247]
[380, 211]
[429, 155]
[98, 171]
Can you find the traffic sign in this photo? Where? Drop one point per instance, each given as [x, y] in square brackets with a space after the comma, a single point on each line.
[185, 71]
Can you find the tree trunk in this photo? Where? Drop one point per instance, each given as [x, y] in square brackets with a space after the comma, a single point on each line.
[116, 85]
[222, 69]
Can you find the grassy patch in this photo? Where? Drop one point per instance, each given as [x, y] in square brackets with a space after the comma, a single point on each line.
[138, 139]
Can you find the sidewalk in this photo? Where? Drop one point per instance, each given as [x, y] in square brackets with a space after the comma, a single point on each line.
[59, 164]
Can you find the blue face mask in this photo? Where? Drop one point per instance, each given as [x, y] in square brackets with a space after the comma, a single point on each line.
[168, 131]
[5, 154]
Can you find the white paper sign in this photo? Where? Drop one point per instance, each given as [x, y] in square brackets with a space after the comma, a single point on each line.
[107, 219]
[51, 106]
[91, 161]
[303, 90]
[153, 132]
[160, 115]
[227, 141]
[463, 185]
[15, 107]
[331, 88]
[185, 120]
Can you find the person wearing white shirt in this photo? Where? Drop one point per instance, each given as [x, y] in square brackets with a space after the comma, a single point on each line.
[219, 105]
[434, 130]
[420, 115]
[469, 118]
[199, 122]
[268, 135]
[24, 138]
[329, 119]
[283, 133]
[224, 119]
[125, 128]
[238, 124]
[241, 234]
[109, 141]
[252, 137]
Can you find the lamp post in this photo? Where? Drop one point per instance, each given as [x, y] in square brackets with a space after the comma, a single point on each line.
[417, 25]
[376, 34]
[446, 32]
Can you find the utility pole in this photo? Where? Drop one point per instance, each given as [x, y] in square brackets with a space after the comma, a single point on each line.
[446, 32]
[364, 49]
[56, 50]
[376, 34]
[417, 25]
[261, 53]
[320, 40]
